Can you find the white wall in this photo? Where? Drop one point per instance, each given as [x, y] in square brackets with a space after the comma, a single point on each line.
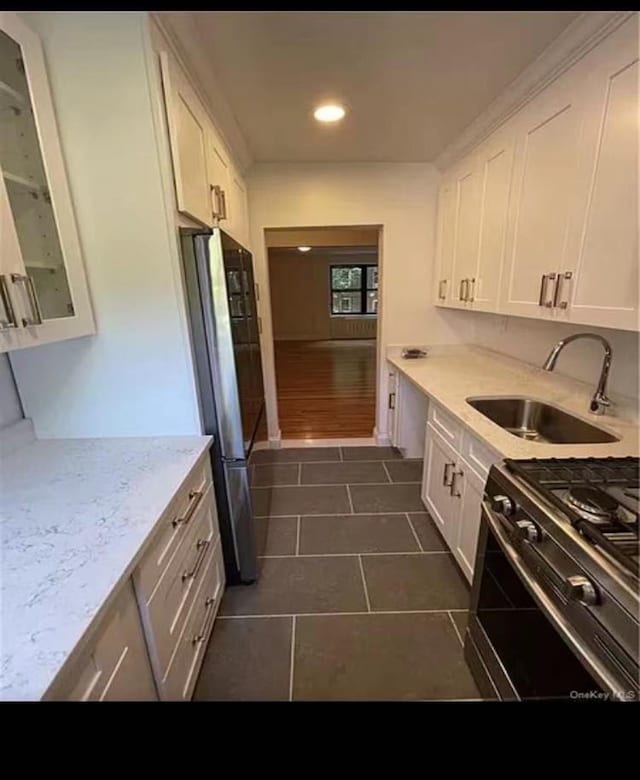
[399, 197]
[10, 406]
[531, 340]
[135, 376]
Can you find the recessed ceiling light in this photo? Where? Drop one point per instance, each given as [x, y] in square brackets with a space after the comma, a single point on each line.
[330, 112]
[304, 249]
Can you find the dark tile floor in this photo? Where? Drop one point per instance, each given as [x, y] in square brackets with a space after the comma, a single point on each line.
[358, 597]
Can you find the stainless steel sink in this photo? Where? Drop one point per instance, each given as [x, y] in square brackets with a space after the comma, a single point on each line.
[537, 421]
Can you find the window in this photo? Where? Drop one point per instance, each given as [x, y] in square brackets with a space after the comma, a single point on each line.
[354, 289]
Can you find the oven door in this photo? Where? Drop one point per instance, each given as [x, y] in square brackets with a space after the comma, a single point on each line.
[516, 643]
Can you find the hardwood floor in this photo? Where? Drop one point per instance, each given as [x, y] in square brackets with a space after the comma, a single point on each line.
[326, 389]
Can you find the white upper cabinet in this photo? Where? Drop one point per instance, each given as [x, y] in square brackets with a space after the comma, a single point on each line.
[495, 159]
[465, 234]
[547, 135]
[43, 288]
[605, 290]
[541, 219]
[446, 227]
[208, 187]
[189, 139]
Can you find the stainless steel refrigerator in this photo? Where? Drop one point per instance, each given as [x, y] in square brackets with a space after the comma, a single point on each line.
[221, 301]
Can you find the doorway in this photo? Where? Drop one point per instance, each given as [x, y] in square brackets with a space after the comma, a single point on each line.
[324, 305]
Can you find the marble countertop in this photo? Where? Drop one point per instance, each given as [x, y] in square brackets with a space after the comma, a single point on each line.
[450, 375]
[75, 515]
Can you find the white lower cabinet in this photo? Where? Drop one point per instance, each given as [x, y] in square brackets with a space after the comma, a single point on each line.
[407, 415]
[453, 484]
[115, 665]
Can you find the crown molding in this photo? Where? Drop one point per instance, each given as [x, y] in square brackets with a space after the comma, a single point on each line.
[193, 61]
[573, 43]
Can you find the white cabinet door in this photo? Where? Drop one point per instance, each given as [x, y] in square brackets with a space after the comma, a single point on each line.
[392, 407]
[495, 160]
[468, 491]
[115, 665]
[467, 224]
[188, 134]
[238, 226]
[411, 411]
[543, 200]
[605, 288]
[443, 290]
[43, 288]
[439, 466]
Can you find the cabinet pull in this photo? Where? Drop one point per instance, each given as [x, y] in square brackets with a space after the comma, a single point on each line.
[260, 326]
[472, 287]
[442, 289]
[199, 637]
[461, 292]
[216, 201]
[445, 474]
[202, 545]
[36, 314]
[10, 321]
[452, 487]
[543, 289]
[194, 498]
[561, 304]
[257, 286]
[223, 195]
[392, 400]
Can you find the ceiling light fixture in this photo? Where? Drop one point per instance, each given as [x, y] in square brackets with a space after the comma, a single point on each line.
[330, 112]
[304, 249]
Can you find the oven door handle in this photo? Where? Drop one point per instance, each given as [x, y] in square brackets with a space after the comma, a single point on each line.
[546, 605]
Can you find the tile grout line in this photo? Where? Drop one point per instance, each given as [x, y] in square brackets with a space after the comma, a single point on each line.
[455, 628]
[416, 537]
[293, 653]
[386, 471]
[353, 554]
[364, 584]
[350, 499]
[297, 535]
[329, 614]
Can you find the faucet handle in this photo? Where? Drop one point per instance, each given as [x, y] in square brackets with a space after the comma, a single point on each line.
[599, 403]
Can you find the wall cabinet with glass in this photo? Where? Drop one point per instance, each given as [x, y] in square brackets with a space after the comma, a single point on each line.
[43, 288]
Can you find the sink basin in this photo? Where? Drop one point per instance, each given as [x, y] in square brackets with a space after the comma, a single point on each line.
[537, 421]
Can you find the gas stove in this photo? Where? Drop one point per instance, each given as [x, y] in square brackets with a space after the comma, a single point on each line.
[598, 496]
[568, 529]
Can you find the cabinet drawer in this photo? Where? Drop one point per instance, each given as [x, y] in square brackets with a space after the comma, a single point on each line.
[478, 455]
[115, 665]
[165, 612]
[174, 527]
[446, 425]
[180, 679]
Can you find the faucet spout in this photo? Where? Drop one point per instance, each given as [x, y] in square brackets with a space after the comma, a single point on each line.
[600, 401]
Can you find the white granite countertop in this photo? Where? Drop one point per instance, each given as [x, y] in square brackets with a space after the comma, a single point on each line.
[75, 515]
[450, 375]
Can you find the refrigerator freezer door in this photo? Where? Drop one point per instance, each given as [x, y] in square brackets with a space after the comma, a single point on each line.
[241, 519]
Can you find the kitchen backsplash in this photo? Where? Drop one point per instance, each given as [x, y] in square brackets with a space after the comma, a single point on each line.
[531, 340]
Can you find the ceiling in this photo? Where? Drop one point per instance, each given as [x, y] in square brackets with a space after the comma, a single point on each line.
[411, 80]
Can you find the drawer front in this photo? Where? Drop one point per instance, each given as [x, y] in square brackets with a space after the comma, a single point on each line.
[446, 425]
[166, 611]
[479, 456]
[115, 665]
[174, 526]
[180, 679]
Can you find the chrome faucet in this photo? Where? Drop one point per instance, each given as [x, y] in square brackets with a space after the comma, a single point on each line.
[599, 402]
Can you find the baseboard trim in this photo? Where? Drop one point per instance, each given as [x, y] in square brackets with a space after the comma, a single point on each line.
[355, 442]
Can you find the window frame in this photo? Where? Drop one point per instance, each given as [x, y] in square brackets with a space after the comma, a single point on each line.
[363, 289]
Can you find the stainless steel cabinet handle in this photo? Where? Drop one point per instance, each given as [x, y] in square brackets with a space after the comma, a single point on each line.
[10, 321]
[561, 304]
[453, 486]
[392, 400]
[224, 204]
[216, 201]
[199, 637]
[36, 318]
[201, 545]
[445, 473]
[471, 289]
[543, 289]
[461, 293]
[442, 289]
[194, 498]
[552, 278]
